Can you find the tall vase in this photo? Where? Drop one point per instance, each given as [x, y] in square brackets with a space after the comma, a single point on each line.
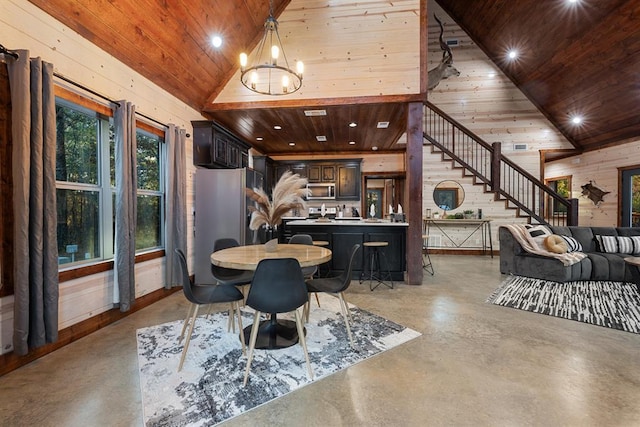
[270, 233]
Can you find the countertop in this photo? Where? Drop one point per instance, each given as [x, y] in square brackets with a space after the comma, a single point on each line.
[352, 221]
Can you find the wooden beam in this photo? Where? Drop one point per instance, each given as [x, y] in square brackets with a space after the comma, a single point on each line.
[413, 183]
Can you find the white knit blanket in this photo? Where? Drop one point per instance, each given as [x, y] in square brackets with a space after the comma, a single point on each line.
[523, 237]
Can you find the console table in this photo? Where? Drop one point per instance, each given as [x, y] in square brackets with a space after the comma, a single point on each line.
[471, 227]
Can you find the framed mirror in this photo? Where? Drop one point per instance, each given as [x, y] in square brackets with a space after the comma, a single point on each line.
[448, 195]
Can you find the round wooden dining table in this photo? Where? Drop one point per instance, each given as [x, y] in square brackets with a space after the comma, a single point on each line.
[248, 257]
[273, 333]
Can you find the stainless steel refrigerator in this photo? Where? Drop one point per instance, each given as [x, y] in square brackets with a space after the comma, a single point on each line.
[221, 212]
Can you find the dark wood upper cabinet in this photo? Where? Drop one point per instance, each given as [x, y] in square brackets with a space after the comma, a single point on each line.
[215, 147]
[314, 173]
[348, 183]
[328, 173]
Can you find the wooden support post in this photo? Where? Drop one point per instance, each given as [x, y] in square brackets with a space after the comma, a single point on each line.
[413, 166]
[495, 166]
[572, 213]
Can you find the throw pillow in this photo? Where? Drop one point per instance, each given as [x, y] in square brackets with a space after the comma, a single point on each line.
[538, 233]
[555, 244]
[636, 244]
[607, 244]
[572, 244]
[618, 244]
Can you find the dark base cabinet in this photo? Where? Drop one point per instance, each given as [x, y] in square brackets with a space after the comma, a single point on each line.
[342, 237]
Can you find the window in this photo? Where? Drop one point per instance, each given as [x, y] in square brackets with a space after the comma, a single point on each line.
[629, 196]
[562, 186]
[81, 138]
[85, 182]
[149, 230]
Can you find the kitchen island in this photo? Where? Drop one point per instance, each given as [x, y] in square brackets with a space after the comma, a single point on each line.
[342, 234]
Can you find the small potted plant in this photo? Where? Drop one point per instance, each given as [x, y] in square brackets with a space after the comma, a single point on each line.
[468, 214]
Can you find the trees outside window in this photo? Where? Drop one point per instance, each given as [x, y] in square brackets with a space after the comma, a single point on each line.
[85, 182]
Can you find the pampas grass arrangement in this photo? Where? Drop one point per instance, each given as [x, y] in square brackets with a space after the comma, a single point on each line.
[288, 193]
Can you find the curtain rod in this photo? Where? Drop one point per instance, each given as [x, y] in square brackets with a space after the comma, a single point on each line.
[4, 50]
[91, 91]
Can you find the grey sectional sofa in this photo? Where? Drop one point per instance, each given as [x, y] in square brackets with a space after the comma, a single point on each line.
[598, 265]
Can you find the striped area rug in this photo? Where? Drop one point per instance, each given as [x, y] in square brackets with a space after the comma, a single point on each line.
[610, 304]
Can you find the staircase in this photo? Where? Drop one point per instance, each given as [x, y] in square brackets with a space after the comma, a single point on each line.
[485, 163]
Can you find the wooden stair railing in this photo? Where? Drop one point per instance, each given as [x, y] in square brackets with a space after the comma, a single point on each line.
[509, 182]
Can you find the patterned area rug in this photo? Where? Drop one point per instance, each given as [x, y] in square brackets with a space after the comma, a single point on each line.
[209, 388]
[610, 304]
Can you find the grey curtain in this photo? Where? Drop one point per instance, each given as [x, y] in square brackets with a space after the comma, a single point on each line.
[176, 204]
[34, 198]
[126, 205]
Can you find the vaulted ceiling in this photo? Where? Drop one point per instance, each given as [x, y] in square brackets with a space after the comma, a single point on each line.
[580, 60]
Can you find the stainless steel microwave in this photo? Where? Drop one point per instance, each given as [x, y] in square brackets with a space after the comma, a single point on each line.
[323, 191]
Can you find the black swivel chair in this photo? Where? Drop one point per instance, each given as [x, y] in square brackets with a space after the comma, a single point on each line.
[277, 287]
[200, 294]
[336, 285]
[229, 276]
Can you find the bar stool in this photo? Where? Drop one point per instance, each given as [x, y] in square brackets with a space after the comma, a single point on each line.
[427, 265]
[374, 270]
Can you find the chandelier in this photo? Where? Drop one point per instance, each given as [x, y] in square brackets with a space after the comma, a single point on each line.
[268, 74]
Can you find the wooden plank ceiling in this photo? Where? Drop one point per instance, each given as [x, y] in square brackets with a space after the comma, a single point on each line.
[575, 59]
[583, 59]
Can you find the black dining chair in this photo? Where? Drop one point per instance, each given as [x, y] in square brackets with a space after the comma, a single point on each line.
[202, 294]
[277, 287]
[304, 239]
[230, 276]
[336, 285]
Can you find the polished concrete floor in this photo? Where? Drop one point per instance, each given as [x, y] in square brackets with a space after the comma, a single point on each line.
[475, 364]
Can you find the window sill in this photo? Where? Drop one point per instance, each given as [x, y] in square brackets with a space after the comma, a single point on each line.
[99, 267]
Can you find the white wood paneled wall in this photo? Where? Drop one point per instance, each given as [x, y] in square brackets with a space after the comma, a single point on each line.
[363, 48]
[485, 101]
[24, 26]
[601, 167]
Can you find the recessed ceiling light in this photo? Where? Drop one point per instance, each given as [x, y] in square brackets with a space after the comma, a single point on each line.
[321, 138]
[216, 41]
[353, 124]
[492, 74]
[314, 113]
[259, 138]
[292, 144]
[576, 120]
[512, 54]
[382, 125]
[374, 148]
[352, 143]
[277, 127]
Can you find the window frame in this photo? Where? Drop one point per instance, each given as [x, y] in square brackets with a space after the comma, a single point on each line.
[106, 264]
[552, 210]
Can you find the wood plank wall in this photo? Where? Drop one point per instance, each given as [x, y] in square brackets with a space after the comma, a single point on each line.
[485, 101]
[601, 167]
[362, 48]
[27, 27]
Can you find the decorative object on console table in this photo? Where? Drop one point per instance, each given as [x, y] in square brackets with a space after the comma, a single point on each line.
[288, 194]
